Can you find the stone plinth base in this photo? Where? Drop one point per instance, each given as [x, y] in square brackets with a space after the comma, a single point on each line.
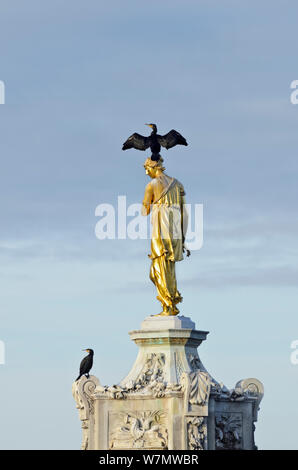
[168, 400]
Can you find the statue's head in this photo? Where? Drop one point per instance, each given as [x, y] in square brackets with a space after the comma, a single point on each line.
[153, 167]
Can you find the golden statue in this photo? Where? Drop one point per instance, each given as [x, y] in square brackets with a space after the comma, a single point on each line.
[165, 199]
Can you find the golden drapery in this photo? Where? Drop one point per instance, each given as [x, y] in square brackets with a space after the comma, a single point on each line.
[164, 197]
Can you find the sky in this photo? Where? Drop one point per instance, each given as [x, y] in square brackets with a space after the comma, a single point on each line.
[80, 77]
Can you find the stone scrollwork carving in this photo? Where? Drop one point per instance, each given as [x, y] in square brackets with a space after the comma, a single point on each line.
[196, 432]
[228, 431]
[251, 388]
[138, 430]
[82, 391]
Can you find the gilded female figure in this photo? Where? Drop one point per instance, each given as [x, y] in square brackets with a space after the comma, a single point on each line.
[165, 199]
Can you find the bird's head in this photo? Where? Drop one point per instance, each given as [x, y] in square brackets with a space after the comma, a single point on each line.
[90, 351]
[153, 127]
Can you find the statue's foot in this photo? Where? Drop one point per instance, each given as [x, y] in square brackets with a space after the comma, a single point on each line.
[164, 313]
[167, 312]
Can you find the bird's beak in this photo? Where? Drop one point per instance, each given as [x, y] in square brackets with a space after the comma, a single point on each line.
[150, 125]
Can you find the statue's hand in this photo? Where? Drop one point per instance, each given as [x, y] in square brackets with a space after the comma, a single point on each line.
[186, 250]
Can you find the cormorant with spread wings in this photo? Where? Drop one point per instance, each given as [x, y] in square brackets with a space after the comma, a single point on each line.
[154, 141]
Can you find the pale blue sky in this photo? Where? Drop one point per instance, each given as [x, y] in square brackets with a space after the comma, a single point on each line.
[80, 78]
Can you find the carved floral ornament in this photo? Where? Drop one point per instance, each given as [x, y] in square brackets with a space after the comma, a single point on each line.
[228, 430]
[196, 432]
[196, 386]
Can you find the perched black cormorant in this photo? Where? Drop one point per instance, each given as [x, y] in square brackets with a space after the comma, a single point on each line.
[86, 363]
[154, 141]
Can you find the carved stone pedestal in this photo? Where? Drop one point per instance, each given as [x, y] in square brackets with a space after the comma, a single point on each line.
[168, 400]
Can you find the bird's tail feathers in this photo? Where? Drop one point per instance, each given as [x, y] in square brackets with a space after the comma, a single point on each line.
[155, 157]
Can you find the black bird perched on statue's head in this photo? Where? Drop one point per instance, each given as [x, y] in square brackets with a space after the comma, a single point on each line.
[86, 364]
[154, 141]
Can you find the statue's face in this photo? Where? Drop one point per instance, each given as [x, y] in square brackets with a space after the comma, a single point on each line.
[150, 171]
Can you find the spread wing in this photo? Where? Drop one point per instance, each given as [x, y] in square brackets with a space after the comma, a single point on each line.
[136, 141]
[171, 139]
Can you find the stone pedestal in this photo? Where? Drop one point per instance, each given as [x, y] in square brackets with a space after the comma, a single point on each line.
[168, 400]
